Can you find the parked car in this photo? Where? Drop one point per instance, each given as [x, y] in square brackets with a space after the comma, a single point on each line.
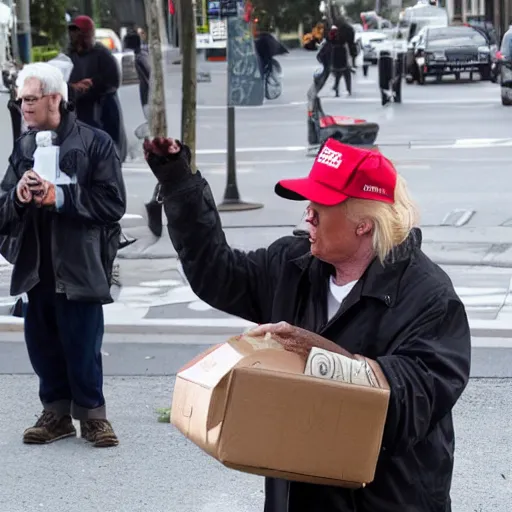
[125, 58]
[486, 28]
[440, 51]
[371, 43]
[504, 55]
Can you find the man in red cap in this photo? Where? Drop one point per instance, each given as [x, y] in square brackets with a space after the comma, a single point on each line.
[94, 82]
[363, 293]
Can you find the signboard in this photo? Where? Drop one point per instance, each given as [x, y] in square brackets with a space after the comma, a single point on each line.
[245, 83]
[218, 30]
[229, 8]
[213, 8]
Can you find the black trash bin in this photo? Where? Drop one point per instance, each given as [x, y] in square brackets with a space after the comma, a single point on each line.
[391, 71]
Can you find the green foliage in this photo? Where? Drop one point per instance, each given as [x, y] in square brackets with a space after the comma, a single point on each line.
[48, 18]
[44, 53]
[164, 415]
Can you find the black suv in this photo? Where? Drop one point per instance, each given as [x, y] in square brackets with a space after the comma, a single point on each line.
[440, 51]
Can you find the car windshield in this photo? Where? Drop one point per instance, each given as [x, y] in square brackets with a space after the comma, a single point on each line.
[454, 36]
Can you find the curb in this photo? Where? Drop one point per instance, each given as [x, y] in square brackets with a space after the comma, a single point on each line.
[156, 327]
[159, 327]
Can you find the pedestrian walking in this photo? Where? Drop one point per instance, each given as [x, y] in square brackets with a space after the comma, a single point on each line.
[62, 241]
[344, 52]
[360, 288]
[132, 41]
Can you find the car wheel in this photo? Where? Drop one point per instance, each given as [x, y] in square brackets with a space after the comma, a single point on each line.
[506, 101]
[409, 79]
[485, 73]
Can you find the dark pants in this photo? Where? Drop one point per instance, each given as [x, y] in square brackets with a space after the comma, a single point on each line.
[346, 74]
[64, 340]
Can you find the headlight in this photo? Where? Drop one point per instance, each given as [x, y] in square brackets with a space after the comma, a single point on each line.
[483, 53]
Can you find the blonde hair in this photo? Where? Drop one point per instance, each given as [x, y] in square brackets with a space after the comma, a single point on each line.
[392, 223]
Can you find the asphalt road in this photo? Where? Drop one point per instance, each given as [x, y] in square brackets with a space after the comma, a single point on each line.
[156, 469]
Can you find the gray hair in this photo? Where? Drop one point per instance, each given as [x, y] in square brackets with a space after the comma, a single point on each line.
[51, 78]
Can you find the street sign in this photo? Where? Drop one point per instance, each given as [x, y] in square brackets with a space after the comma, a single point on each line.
[229, 8]
[213, 8]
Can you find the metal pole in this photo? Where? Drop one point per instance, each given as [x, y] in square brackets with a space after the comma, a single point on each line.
[24, 37]
[231, 193]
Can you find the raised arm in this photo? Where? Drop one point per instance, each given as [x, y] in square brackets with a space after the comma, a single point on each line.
[232, 281]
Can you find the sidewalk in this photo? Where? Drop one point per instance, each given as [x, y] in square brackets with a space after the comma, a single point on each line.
[155, 299]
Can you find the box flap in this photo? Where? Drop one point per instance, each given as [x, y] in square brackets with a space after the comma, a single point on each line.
[209, 370]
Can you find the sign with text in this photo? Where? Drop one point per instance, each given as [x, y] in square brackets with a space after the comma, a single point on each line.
[229, 8]
[245, 82]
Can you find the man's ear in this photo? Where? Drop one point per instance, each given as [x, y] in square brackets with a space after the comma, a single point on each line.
[363, 228]
[55, 100]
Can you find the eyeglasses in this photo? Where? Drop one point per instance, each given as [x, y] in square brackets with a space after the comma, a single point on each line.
[31, 100]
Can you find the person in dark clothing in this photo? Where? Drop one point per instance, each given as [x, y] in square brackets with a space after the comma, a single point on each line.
[94, 82]
[359, 287]
[62, 240]
[342, 36]
[132, 41]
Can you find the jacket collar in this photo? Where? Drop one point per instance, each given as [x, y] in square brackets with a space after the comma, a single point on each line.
[67, 123]
[380, 281]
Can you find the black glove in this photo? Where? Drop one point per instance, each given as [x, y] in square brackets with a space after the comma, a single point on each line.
[168, 159]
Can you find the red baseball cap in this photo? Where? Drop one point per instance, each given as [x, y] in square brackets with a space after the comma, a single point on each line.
[83, 23]
[340, 172]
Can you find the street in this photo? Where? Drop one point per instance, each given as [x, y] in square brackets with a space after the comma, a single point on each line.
[451, 143]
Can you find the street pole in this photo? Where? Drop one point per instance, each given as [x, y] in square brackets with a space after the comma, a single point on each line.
[232, 201]
[24, 38]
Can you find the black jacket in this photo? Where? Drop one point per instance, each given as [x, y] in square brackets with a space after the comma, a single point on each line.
[343, 45]
[85, 233]
[143, 68]
[99, 106]
[100, 65]
[406, 315]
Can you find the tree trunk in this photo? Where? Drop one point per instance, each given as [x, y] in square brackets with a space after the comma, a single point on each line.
[189, 77]
[157, 118]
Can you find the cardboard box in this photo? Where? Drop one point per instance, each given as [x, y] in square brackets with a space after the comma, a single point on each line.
[248, 404]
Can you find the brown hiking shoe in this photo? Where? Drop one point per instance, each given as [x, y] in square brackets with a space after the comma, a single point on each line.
[48, 428]
[99, 432]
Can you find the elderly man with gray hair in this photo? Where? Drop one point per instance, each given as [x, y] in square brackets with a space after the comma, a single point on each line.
[62, 235]
[360, 291]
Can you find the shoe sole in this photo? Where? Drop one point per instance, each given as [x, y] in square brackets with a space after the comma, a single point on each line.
[38, 440]
[107, 442]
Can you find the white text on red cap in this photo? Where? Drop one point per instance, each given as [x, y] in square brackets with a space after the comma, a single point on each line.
[330, 158]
